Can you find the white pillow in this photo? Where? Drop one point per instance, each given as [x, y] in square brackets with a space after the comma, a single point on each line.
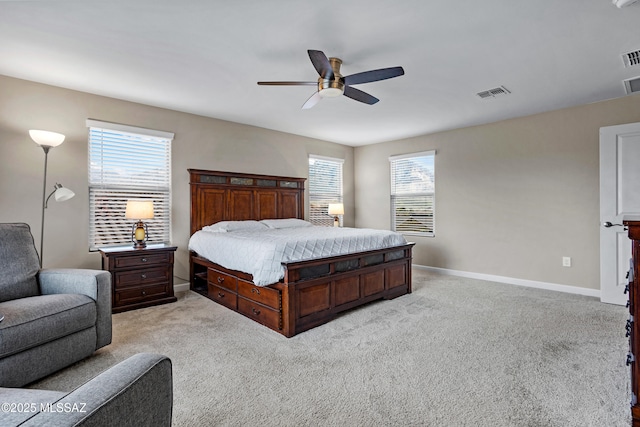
[225, 226]
[286, 223]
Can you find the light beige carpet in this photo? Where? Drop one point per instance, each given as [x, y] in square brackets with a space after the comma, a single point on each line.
[455, 352]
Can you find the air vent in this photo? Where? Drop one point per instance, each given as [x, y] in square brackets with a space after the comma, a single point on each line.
[631, 59]
[492, 93]
[632, 85]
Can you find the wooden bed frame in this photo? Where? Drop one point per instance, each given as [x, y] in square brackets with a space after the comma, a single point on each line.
[312, 292]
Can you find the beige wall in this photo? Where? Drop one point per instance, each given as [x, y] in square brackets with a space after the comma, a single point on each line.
[512, 198]
[200, 142]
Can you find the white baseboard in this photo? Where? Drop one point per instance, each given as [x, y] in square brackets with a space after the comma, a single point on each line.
[181, 287]
[513, 281]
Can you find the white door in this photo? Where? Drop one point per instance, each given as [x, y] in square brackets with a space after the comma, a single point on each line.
[619, 196]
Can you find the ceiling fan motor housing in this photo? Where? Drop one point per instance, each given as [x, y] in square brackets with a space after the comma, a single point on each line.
[329, 88]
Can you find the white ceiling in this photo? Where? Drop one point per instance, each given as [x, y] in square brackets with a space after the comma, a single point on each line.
[205, 57]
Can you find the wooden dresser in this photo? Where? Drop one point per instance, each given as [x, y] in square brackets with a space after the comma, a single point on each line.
[139, 277]
[633, 327]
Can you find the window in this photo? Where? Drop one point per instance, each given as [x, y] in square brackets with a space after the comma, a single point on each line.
[127, 163]
[413, 193]
[325, 186]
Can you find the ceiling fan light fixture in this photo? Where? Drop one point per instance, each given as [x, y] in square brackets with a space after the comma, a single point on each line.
[330, 92]
[622, 3]
[330, 88]
[332, 84]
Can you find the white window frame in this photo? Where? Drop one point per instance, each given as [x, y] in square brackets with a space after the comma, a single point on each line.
[127, 162]
[320, 197]
[416, 191]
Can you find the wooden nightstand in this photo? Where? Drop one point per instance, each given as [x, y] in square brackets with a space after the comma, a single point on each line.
[139, 277]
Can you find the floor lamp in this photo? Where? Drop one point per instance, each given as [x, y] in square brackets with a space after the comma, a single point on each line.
[47, 140]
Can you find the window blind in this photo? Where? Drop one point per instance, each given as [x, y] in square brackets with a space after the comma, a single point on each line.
[127, 163]
[413, 193]
[325, 186]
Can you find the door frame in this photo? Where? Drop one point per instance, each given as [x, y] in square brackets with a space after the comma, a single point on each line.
[615, 246]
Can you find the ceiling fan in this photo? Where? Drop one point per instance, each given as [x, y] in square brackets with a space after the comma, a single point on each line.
[331, 83]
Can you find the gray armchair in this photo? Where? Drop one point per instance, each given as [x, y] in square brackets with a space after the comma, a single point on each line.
[137, 392]
[52, 318]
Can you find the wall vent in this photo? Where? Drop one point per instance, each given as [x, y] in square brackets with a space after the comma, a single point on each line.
[492, 93]
[631, 59]
[632, 85]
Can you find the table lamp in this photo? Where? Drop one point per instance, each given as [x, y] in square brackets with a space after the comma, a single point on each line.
[336, 209]
[139, 210]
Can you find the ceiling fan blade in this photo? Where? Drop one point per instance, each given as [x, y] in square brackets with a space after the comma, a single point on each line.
[321, 63]
[359, 95]
[288, 83]
[373, 75]
[315, 98]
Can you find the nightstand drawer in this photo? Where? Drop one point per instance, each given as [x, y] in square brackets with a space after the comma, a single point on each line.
[142, 260]
[223, 296]
[221, 279]
[134, 295]
[140, 277]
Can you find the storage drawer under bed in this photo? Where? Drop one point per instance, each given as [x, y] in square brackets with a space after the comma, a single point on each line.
[222, 296]
[224, 280]
[262, 294]
[259, 313]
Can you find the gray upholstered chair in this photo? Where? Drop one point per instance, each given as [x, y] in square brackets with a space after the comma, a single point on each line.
[52, 318]
[137, 392]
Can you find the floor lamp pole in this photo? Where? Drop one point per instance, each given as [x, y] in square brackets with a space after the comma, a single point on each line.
[44, 195]
[47, 140]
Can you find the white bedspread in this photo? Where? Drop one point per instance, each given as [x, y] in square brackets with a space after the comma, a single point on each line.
[261, 253]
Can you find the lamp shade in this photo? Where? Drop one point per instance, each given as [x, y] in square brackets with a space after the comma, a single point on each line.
[336, 209]
[62, 193]
[45, 138]
[139, 209]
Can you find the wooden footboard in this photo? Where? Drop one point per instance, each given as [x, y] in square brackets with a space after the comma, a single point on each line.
[312, 292]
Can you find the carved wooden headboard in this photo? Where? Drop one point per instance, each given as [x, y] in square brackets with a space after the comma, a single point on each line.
[227, 196]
